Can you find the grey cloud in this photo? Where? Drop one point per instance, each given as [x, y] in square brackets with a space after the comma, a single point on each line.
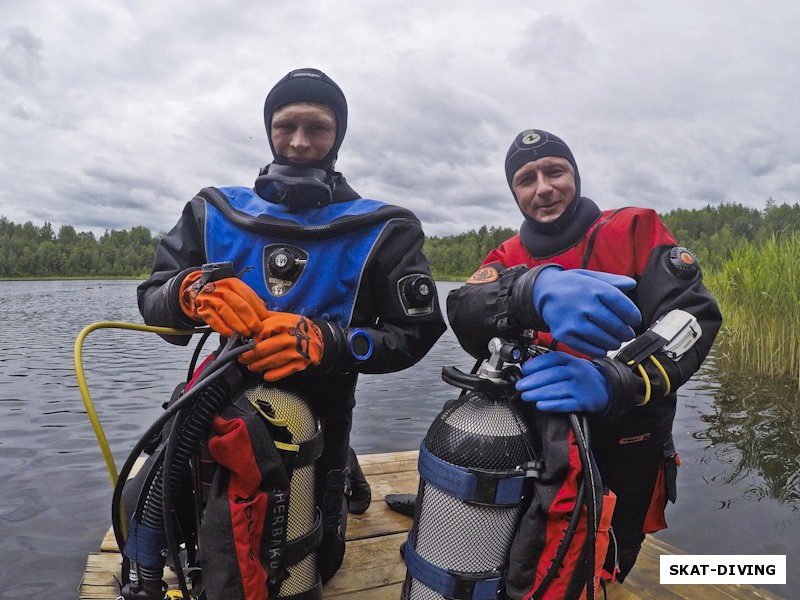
[21, 110]
[21, 55]
[125, 178]
[660, 110]
[553, 47]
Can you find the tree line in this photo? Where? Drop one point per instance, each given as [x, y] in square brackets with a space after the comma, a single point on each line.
[28, 251]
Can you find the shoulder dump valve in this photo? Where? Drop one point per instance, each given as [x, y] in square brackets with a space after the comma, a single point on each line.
[417, 293]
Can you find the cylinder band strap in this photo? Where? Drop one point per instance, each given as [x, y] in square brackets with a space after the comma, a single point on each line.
[499, 488]
[308, 453]
[296, 550]
[452, 584]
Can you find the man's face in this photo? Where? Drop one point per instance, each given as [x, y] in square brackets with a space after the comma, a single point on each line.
[544, 187]
[303, 132]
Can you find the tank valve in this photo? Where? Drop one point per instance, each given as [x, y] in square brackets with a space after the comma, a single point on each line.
[501, 352]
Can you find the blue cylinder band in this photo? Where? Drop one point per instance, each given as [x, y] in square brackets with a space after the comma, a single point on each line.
[452, 584]
[499, 488]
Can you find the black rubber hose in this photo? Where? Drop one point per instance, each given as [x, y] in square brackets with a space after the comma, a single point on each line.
[231, 351]
[564, 545]
[458, 378]
[574, 518]
[582, 439]
[212, 373]
[158, 491]
[189, 430]
[196, 354]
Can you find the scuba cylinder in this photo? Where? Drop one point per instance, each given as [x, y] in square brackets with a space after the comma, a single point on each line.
[303, 521]
[488, 463]
[473, 465]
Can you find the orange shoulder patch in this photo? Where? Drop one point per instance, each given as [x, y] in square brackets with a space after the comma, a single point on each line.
[484, 275]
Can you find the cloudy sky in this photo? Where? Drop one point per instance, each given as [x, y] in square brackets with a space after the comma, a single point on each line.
[115, 113]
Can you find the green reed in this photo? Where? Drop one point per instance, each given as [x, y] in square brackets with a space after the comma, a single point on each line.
[757, 290]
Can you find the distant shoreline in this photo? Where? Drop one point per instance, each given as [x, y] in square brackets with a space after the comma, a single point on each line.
[75, 278]
[143, 277]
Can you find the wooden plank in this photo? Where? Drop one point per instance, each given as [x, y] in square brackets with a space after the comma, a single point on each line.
[392, 462]
[615, 591]
[644, 580]
[373, 524]
[389, 458]
[369, 564]
[109, 543]
[389, 592]
[98, 578]
[392, 483]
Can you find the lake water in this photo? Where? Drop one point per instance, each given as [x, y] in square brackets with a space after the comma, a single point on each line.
[738, 437]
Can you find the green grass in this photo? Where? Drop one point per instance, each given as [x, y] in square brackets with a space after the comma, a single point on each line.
[757, 290]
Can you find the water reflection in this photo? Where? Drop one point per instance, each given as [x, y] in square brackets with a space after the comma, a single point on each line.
[754, 434]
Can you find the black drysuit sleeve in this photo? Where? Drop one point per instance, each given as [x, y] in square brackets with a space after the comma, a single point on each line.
[480, 311]
[179, 252]
[660, 290]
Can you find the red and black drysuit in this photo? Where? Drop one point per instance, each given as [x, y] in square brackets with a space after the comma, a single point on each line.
[631, 444]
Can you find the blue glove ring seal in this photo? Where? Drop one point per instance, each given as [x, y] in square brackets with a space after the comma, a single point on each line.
[356, 341]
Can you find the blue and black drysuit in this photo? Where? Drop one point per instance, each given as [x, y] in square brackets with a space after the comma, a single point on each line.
[361, 254]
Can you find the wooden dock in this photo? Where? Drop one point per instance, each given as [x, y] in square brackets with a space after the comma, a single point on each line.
[374, 570]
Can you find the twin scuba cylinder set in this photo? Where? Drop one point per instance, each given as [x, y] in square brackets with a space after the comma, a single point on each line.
[167, 498]
[491, 469]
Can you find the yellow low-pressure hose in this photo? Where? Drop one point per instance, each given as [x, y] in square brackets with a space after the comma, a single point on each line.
[87, 399]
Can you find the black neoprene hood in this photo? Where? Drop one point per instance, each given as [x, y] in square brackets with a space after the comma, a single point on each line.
[308, 85]
[533, 144]
[547, 239]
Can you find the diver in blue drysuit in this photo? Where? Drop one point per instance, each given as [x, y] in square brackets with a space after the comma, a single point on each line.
[331, 285]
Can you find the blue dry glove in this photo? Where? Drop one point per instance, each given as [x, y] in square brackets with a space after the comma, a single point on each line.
[586, 310]
[560, 382]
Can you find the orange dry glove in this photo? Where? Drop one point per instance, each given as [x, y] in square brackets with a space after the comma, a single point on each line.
[226, 305]
[287, 343]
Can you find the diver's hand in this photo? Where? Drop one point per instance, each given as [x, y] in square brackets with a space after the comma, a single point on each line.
[586, 310]
[287, 343]
[227, 305]
[560, 382]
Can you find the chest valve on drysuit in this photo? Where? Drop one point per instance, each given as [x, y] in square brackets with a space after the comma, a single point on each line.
[284, 264]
